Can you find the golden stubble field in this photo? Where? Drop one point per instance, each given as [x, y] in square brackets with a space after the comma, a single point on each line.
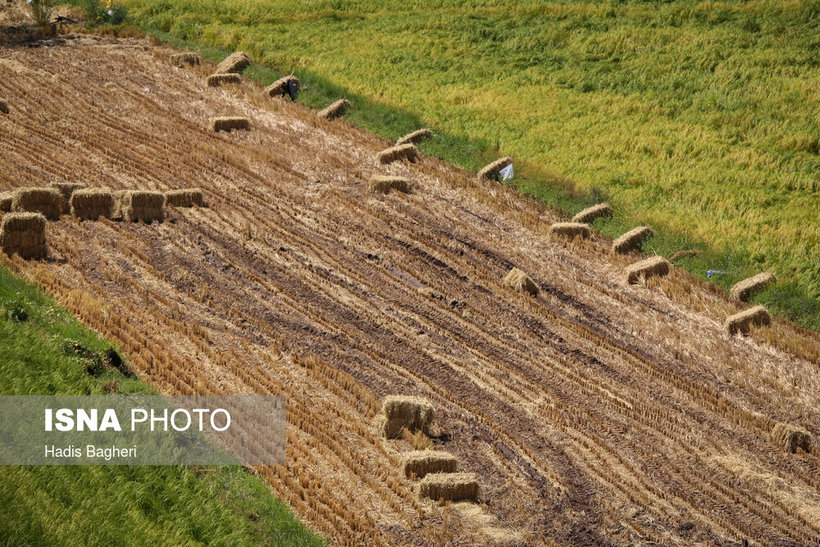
[591, 413]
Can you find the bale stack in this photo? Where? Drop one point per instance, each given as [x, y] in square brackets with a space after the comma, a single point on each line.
[92, 203]
[229, 123]
[235, 62]
[279, 88]
[216, 80]
[449, 486]
[744, 321]
[746, 288]
[144, 206]
[570, 229]
[401, 152]
[656, 265]
[24, 234]
[66, 189]
[521, 282]
[420, 463]
[591, 213]
[4, 106]
[632, 239]
[415, 136]
[117, 213]
[384, 184]
[187, 58]
[401, 411]
[184, 198]
[46, 201]
[491, 171]
[5, 201]
[791, 437]
[334, 110]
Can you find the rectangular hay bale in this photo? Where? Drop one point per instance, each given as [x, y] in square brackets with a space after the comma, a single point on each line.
[143, 205]
[744, 321]
[229, 123]
[279, 88]
[46, 201]
[395, 153]
[235, 62]
[420, 463]
[632, 239]
[791, 437]
[216, 80]
[403, 411]
[5, 201]
[746, 288]
[570, 229]
[189, 58]
[334, 110]
[491, 171]
[416, 136]
[4, 106]
[92, 203]
[184, 198]
[66, 189]
[449, 486]
[384, 184]
[521, 282]
[591, 213]
[655, 265]
[24, 234]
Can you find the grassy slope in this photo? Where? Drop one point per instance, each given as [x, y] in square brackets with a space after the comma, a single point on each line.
[697, 118]
[113, 505]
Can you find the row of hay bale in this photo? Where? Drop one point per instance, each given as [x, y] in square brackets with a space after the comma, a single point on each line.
[436, 469]
[404, 149]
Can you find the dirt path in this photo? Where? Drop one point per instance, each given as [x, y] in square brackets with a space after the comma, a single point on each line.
[594, 413]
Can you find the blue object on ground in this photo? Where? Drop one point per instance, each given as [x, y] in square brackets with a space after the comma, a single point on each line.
[710, 273]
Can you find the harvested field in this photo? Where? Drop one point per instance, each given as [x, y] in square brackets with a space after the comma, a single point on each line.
[593, 413]
[92, 203]
[746, 288]
[46, 201]
[216, 80]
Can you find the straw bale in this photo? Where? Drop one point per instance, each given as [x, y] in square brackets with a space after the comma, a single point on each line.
[279, 88]
[117, 213]
[449, 486]
[570, 229]
[184, 198]
[143, 205]
[92, 203]
[491, 171]
[4, 106]
[655, 265]
[216, 80]
[424, 462]
[791, 437]
[746, 288]
[403, 151]
[415, 136]
[383, 184]
[401, 411]
[521, 282]
[632, 239]
[744, 321]
[228, 123]
[591, 213]
[335, 110]
[47, 201]
[66, 189]
[5, 201]
[187, 58]
[235, 62]
[24, 234]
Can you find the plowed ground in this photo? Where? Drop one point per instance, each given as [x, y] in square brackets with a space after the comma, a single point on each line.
[593, 413]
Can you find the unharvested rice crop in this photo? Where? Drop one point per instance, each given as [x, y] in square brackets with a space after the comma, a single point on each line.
[24, 234]
[744, 321]
[66, 189]
[570, 229]
[216, 80]
[235, 62]
[92, 203]
[491, 171]
[384, 184]
[746, 288]
[420, 463]
[5, 201]
[655, 265]
[143, 205]
[449, 486]
[521, 282]
[279, 88]
[402, 411]
[395, 153]
[189, 58]
[46, 201]
[4, 106]
[632, 239]
[229, 123]
[184, 198]
[334, 110]
[415, 136]
[591, 213]
[791, 437]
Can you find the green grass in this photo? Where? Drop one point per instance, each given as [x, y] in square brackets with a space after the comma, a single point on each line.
[698, 118]
[113, 505]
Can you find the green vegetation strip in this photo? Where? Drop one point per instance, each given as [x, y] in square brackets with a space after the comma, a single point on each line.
[43, 351]
[696, 118]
